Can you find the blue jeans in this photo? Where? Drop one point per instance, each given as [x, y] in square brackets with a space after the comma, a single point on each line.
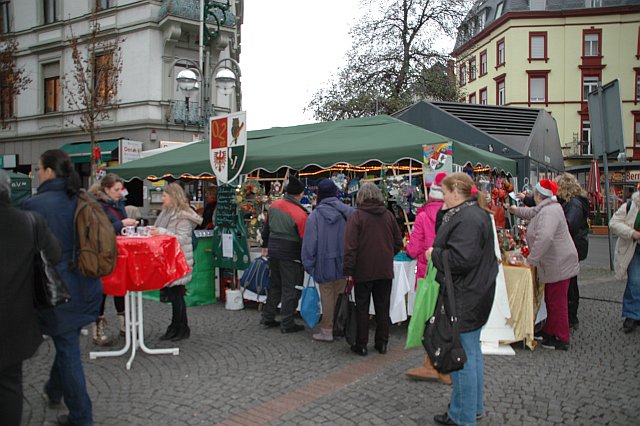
[66, 379]
[631, 298]
[467, 394]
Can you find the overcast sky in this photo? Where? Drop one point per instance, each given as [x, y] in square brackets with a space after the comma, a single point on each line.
[290, 48]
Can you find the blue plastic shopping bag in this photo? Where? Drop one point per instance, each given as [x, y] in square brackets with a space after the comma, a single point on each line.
[310, 303]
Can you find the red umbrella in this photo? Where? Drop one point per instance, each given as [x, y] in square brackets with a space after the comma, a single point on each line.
[594, 188]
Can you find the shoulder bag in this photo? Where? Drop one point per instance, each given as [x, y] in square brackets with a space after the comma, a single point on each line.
[441, 338]
[48, 288]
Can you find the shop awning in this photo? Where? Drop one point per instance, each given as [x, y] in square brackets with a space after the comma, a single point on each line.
[356, 142]
[80, 152]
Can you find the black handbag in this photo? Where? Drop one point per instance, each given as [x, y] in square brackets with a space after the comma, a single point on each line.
[49, 289]
[345, 318]
[441, 338]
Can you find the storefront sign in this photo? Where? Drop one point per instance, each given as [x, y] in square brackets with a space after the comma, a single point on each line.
[228, 145]
[130, 150]
[623, 177]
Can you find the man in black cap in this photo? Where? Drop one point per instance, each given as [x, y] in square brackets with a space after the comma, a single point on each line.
[282, 235]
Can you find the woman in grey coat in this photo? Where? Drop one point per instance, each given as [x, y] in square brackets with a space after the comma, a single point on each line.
[177, 219]
[552, 252]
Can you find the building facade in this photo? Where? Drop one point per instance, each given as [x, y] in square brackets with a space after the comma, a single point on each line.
[550, 54]
[158, 40]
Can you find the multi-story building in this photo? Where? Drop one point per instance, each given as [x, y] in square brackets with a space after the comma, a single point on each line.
[550, 54]
[159, 39]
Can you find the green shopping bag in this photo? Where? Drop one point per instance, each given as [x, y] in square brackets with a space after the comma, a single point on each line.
[426, 297]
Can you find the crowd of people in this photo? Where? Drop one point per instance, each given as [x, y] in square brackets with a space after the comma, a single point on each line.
[337, 245]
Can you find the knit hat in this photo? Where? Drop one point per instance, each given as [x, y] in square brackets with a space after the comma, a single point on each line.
[326, 189]
[435, 192]
[294, 187]
[547, 188]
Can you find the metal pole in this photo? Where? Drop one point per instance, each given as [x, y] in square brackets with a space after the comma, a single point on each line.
[201, 35]
[606, 171]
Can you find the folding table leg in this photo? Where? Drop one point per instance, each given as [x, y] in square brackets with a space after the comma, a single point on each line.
[127, 321]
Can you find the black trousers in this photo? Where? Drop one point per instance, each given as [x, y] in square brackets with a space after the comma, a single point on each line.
[118, 302]
[178, 306]
[11, 395]
[381, 291]
[285, 276]
[573, 298]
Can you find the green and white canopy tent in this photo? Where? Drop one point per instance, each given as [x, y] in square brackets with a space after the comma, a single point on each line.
[356, 142]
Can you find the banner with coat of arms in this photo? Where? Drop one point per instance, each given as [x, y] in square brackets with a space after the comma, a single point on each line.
[436, 159]
[228, 145]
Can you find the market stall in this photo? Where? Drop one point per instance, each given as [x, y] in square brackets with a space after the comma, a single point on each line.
[381, 149]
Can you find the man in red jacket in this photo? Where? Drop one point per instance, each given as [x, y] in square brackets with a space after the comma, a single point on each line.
[282, 235]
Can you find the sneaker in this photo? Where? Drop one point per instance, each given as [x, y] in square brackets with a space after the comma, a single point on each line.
[323, 336]
[553, 343]
[293, 329]
[540, 335]
[628, 325]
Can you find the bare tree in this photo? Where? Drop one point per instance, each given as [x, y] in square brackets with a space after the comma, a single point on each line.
[91, 88]
[13, 79]
[391, 63]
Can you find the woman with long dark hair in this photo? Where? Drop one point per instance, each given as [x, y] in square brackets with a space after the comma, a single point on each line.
[109, 195]
[56, 200]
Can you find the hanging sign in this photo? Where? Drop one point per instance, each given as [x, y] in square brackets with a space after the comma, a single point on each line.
[436, 159]
[228, 145]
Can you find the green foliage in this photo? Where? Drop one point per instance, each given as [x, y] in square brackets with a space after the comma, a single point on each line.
[393, 63]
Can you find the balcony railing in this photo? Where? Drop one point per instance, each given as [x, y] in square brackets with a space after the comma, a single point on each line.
[190, 9]
[188, 114]
[577, 149]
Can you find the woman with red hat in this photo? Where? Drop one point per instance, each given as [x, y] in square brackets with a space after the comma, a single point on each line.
[552, 251]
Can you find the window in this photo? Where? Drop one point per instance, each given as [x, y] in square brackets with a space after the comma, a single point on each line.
[537, 89]
[462, 75]
[104, 4]
[472, 69]
[4, 17]
[589, 84]
[636, 131]
[637, 96]
[51, 76]
[472, 98]
[499, 9]
[484, 100]
[593, 3]
[482, 19]
[483, 63]
[103, 81]
[537, 4]
[537, 46]
[500, 53]
[501, 95]
[50, 11]
[591, 44]
[585, 141]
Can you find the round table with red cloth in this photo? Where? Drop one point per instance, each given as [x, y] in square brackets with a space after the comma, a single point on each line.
[145, 263]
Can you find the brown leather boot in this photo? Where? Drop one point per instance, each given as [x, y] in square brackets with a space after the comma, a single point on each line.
[425, 372]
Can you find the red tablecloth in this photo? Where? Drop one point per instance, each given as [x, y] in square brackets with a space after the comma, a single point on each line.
[147, 263]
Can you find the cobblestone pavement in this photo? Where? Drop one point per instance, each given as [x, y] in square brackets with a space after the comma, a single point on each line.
[233, 372]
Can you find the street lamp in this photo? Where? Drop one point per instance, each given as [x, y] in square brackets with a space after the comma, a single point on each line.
[193, 78]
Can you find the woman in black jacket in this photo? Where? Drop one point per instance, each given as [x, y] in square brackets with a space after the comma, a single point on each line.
[466, 238]
[576, 210]
[20, 334]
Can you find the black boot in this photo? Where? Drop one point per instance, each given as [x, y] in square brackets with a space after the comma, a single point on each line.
[182, 328]
[183, 333]
[172, 330]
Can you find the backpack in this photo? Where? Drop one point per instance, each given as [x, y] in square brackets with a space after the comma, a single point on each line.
[95, 242]
[257, 277]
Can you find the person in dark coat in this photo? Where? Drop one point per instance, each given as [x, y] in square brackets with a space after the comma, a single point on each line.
[466, 238]
[575, 204]
[372, 237]
[109, 194]
[56, 200]
[323, 251]
[18, 248]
